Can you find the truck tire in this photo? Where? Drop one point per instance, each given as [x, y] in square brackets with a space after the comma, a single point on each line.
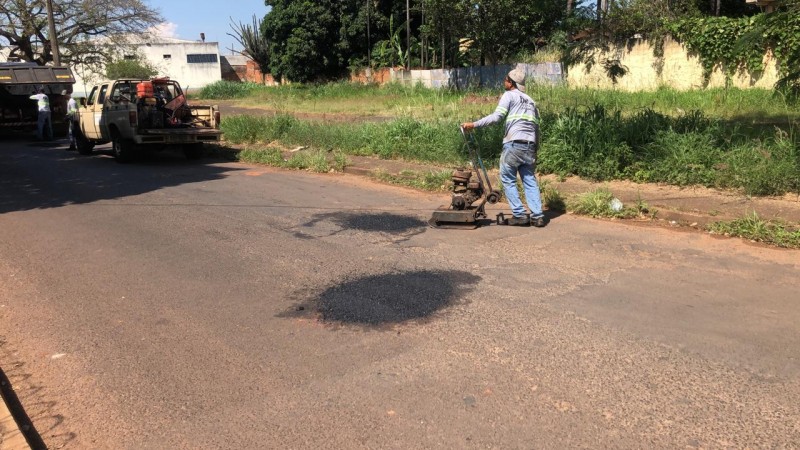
[85, 146]
[193, 151]
[123, 149]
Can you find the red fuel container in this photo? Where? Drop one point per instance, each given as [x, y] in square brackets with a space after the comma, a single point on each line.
[144, 89]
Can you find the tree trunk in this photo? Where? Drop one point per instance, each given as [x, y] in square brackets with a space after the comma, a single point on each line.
[602, 9]
[569, 7]
[408, 35]
[443, 55]
[714, 4]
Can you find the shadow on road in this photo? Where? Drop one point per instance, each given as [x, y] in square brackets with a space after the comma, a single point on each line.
[391, 298]
[39, 177]
[39, 418]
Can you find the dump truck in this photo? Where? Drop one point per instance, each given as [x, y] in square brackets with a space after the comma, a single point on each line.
[144, 115]
[18, 81]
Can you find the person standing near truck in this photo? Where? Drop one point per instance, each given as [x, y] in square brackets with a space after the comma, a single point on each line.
[72, 119]
[520, 148]
[43, 103]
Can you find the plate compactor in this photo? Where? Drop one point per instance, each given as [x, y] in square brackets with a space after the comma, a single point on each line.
[471, 191]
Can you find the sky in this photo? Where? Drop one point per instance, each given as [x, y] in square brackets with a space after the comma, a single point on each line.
[186, 19]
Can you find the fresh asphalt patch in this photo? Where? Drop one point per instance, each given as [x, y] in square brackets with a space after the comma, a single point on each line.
[368, 221]
[388, 299]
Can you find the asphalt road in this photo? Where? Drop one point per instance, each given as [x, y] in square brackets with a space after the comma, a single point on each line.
[177, 304]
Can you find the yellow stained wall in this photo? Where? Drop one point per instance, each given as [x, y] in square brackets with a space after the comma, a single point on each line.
[680, 71]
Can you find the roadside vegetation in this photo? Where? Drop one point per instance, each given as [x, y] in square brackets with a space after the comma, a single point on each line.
[316, 161]
[393, 100]
[744, 140]
[754, 228]
[602, 203]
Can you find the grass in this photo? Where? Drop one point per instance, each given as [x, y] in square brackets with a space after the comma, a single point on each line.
[404, 138]
[228, 90]
[714, 138]
[393, 100]
[596, 144]
[602, 203]
[434, 181]
[551, 197]
[688, 149]
[754, 228]
[317, 161]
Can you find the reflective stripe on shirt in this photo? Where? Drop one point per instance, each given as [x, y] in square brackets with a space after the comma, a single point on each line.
[42, 101]
[521, 114]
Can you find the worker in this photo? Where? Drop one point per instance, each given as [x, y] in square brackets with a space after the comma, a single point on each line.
[72, 118]
[520, 147]
[43, 104]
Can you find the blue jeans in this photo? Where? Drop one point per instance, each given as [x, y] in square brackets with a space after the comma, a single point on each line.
[520, 158]
[73, 129]
[44, 126]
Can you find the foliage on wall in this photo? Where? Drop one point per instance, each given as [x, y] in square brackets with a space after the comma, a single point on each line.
[736, 44]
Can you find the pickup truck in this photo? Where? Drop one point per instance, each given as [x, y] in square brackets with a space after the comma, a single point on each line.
[138, 115]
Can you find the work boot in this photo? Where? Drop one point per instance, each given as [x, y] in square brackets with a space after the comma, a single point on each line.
[539, 221]
[522, 221]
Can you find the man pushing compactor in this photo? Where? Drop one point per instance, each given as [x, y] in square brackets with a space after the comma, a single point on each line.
[520, 146]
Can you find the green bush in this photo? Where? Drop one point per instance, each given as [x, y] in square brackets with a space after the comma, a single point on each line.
[244, 129]
[680, 159]
[766, 167]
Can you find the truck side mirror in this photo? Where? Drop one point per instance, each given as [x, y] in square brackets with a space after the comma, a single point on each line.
[83, 101]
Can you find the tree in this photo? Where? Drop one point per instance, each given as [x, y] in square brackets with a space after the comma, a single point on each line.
[254, 43]
[79, 23]
[311, 40]
[502, 29]
[130, 68]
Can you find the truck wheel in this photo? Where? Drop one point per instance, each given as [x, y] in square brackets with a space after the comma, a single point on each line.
[193, 151]
[85, 146]
[123, 149]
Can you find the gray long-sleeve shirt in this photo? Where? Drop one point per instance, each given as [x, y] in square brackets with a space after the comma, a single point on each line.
[522, 117]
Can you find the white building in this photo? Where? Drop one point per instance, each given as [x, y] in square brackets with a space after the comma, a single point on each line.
[194, 64]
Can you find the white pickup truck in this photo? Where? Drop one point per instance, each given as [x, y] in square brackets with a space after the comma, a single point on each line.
[144, 115]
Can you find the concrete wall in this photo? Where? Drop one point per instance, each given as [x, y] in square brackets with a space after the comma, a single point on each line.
[679, 70]
[234, 67]
[379, 76]
[479, 76]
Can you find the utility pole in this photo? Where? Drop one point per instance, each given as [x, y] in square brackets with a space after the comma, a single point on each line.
[53, 36]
